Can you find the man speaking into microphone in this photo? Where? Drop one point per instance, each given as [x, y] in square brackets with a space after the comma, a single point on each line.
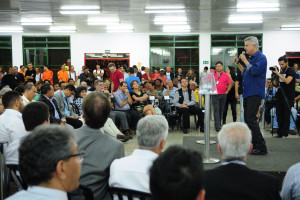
[253, 90]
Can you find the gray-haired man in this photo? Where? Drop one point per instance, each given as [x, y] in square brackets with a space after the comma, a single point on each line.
[233, 179]
[132, 172]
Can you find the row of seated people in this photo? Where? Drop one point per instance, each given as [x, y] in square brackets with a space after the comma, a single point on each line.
[88, 157]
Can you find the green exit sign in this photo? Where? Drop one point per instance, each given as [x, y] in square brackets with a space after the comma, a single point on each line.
[107, 51]
[205, 62]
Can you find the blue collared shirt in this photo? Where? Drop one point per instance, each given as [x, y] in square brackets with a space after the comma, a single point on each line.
[67, 109]
[270, 93]
[255, 76]
[120, 97]
[56, 115]
[171, 94]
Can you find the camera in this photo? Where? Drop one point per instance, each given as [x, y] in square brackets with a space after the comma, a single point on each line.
[272, 68]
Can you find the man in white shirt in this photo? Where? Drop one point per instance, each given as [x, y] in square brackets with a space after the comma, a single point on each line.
[132, 172]
[29, 93]
[11, 124]
[52, 176]
[33, 114]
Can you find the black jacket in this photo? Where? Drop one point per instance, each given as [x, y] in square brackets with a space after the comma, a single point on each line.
[53, 120]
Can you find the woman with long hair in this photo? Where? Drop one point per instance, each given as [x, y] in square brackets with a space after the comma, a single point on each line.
[230, 96]
[191, 75]
[78, 99]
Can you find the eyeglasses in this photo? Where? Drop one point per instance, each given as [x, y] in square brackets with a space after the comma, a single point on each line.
[79, 156]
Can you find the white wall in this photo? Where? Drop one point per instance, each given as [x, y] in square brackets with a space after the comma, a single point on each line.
[275, 44]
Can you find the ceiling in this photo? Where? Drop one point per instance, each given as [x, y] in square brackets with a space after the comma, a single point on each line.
[202, 15]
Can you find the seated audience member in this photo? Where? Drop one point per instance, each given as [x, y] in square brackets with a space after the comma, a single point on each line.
[180, 73]
[193, 87]
[47, 75]
[83, 84]
[159, 88]
[2, 109]
[185, 102]
[50, 172]
[29, 93]
[72, 74]
[11, 124]
[61, 99]
[10, 79]
[131, 78]
[140, 100]
[191, 75]
[292, 126]
[170, 90]
[162, 76]
[56, 117]
[291, 184]
[71, 81]
[233, 179]
[80, 93]
[62, 74]
[177, 174]
[176, 83]
[100, 149]
[20, 89]
[147, 76]
[62, 86]
[86, 76]
[132, 172]
[123, 101]
[55, 86]
[149, 89]
[169, 73]
[34, 114]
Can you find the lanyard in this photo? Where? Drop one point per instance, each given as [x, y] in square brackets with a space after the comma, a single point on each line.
[219, 76]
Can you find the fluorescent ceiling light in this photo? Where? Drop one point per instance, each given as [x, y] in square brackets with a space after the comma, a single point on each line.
[234, 29]
[245, 19]
[119, 27]
[165, 11]
[169, 23]
[36, 21]
[256, 9]
[120, 31]
[290, 26]
[290, 29]
[176, 31]
[11, 29]
[177, 27]
[164, 7]
[79, 10]
[170, 19]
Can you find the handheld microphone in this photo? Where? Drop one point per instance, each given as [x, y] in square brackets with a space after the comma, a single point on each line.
[238, 61]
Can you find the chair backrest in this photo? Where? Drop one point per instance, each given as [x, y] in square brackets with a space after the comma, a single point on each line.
[81, 193]
[123, 194]
[4, 173]
[17, 177]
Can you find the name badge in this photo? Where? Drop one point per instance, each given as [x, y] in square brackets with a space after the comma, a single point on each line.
[217, 82]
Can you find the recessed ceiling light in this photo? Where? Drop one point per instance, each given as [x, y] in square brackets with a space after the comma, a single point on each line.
[164, 7]
[79, 10]
[290, 26]
[290, 29]
[257, 7]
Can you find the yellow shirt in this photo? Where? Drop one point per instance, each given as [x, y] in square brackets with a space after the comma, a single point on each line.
[196, 93]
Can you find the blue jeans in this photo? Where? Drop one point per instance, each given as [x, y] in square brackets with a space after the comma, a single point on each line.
[292, 123]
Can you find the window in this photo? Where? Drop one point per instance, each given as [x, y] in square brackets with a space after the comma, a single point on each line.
[5, 52]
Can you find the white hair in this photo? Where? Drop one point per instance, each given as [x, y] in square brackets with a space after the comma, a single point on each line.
[151, 130]
[235, 140]
[253, 40]
[193, 82]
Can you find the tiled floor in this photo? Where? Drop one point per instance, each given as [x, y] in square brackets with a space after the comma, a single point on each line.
[176, 136]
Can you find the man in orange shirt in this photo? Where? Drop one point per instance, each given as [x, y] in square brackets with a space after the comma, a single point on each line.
[47, 75]
[23, 70]
[62, 75]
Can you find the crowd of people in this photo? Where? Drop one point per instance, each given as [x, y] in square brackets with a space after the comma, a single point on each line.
[65, 134]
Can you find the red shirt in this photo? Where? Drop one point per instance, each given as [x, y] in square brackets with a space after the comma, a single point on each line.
[146, 77]
[222, 81]
[164, 79]
[115, 78]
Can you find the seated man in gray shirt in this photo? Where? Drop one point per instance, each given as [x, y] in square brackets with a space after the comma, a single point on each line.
[122, 103]
[170, 90]
[185, 102]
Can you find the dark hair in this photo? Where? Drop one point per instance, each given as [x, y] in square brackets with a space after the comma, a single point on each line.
[28, 87]
[111, 65]
[122, 83]
[70, 80]
[61, 83]
[20, 89]
[212, 67]
[9, 98]
[79, 89]
[96, 109]
[143, 68]
[219, 62]
[46, 66]
[41, 150]
[176, 174]
[45, 88]
[131, 70]
[134, 66]
[205, 68]
[70, 88]
[47, 81]
[34, 114]
[232, 72]
[133, 81]
[86, 68]
[283, 58]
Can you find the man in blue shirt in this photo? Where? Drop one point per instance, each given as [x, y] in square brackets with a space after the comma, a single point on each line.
[131, 78]
[253, 90]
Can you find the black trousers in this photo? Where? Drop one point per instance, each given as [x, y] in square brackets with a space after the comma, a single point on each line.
[185, 112]
[283, 116]
[251, 105]
[232, 102]
[76, 123]
[132, 117]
